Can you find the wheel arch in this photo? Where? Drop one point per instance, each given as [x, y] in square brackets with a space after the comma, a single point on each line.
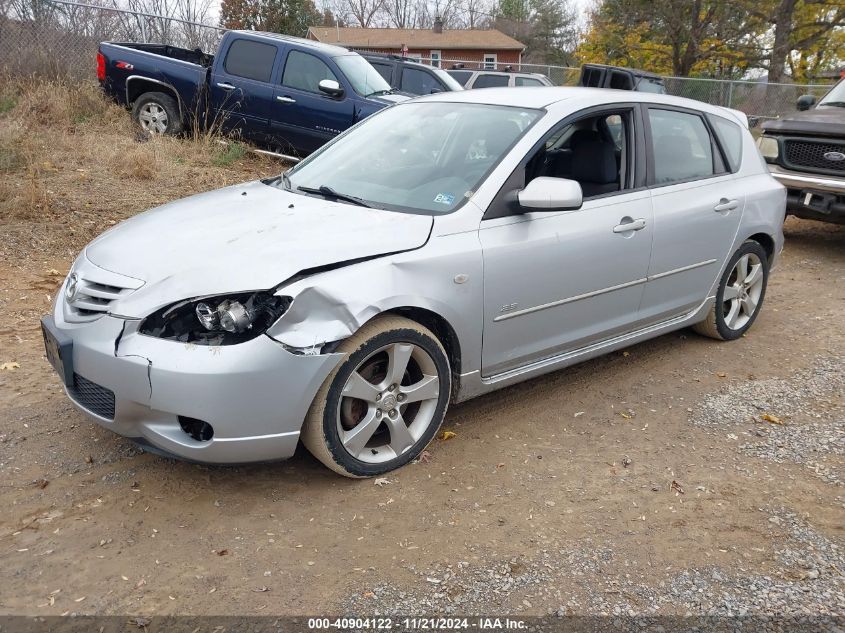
[766, 241]
[441, 328]
[136, 85]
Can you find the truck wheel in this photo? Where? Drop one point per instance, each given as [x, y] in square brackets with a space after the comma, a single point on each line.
[739, 296]
[383, 403]
[157, 113]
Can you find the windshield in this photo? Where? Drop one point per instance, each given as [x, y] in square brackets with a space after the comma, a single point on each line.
[364, 78]
[836, 96]
[447, 79]
[425, 157]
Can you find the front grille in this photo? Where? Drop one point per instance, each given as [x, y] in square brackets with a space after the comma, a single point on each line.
[93, 299]
[90, 292]
[96, 398]
[809, 155]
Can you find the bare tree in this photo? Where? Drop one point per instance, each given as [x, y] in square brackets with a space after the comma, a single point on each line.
[403, 14]
[366, 13]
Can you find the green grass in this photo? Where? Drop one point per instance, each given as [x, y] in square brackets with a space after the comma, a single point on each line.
[231, 153]
[7, 103]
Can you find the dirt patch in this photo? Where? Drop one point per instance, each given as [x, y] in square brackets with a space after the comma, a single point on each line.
[547, 500]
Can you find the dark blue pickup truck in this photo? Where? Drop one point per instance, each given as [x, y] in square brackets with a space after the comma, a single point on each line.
[286, 93]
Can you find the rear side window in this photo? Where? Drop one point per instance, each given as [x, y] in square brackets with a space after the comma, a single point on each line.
[526, 81]
[385, 70]
[419, 82]
[461, 76]
[304, 71]
[621, 81]
[250, 59]
[730, 136]
[683, 149]
[486, 80]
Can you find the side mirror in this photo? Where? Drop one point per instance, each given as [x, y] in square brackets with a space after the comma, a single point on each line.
[551, 194]
[331, 88]
[805, 102]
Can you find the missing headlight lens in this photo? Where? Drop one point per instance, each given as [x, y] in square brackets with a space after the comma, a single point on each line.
[224, 320]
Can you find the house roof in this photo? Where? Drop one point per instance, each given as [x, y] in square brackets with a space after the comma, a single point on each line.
[486, 39]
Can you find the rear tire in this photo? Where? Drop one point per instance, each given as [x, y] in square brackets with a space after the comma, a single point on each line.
[157, 113]
[740, 294]
[383, 403]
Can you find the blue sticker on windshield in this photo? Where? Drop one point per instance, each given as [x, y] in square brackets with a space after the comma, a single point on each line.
[444, 198]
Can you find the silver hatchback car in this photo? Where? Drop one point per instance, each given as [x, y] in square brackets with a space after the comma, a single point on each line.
[436, 251]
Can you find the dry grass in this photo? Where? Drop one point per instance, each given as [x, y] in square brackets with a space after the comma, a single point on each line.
[72, 164]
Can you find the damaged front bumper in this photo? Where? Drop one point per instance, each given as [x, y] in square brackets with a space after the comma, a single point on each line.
[254, 395]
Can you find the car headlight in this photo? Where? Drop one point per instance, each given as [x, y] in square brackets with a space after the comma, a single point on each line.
[769, 147]
[222, 320]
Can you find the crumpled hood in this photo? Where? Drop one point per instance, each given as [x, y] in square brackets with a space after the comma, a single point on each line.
[245, 237]
[825, 121]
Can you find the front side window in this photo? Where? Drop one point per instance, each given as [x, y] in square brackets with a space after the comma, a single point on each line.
[593, 150]
[250, 59]
[365, 79]
[385, 70]
[730, 135]
[416, 157]
[419, 82]
[304, 71]
[682, 146]
[489, 80]
[461, 76]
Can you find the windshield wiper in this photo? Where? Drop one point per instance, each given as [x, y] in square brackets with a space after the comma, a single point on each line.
[838, 104]
[381, 92]
[328, 192]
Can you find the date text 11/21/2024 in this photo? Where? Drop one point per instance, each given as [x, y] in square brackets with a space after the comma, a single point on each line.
[417, 623]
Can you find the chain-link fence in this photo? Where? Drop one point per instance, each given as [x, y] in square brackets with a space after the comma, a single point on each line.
[760, 100]
[60, 38]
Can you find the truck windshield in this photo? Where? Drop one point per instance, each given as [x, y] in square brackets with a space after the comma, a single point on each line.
[365, 79]
[425, 158]
[836, 96]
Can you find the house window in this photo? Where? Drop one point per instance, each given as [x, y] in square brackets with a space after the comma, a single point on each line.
[489, 61]
[435, 59]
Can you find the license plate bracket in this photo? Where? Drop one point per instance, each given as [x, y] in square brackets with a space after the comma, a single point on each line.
[59, 350]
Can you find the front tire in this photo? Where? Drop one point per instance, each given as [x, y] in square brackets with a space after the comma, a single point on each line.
[383, 403]
[740, 294]
[157, 113]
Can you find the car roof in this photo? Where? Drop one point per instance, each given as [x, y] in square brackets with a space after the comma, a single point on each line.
[328, 49]
[394, 58]
[633, 71]
[541, 97]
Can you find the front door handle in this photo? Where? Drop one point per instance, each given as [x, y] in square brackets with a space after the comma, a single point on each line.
[627, 225]
[285, 99]
[726, 205]
[225, 86]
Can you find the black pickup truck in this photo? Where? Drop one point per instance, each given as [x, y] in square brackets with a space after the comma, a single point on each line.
[806, 152]
[287, 93]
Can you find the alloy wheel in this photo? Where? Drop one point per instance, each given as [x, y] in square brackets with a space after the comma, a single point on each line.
[388, 402]
[743, 291]
[153, 118]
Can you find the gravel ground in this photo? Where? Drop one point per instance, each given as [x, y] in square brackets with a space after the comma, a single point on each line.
[800, 419]
[807, 581]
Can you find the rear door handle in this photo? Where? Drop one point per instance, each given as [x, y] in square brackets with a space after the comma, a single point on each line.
[726, 205]
[286, 99]
[629, 225]
[225, 86]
